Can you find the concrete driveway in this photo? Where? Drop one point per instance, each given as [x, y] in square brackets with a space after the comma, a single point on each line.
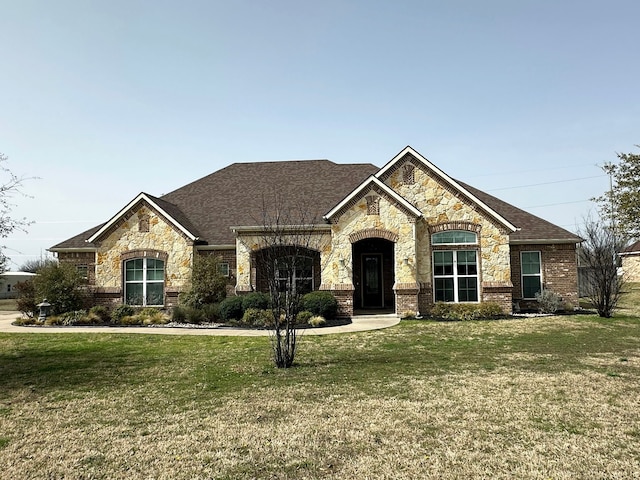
[359, 323]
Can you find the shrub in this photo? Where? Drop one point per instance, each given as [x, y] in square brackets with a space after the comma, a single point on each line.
[121, 311]
[207, 284]
[408, 315]
[465, 311]
[129, 320]
[317, 321]
[69, 319]
[61, 285]
[152, 316]
[303, 317]
[99, 314]
[211, 312]
[257, 300]
[255, 317]
[548, 301]
[179, 314]
[26, 302]
[320, 303]
[231, 309]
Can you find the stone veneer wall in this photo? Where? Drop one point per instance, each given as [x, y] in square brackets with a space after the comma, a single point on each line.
[130, 235]
[559, 272]
[631, 267]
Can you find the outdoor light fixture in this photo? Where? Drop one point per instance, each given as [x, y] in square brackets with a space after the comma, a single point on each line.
[45, 309]
[342, 262]
[406, 261]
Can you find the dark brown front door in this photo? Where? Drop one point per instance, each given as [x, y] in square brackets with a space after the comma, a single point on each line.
[372, 287]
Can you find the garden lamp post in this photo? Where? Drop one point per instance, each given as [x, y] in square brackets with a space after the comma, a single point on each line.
[45, 309]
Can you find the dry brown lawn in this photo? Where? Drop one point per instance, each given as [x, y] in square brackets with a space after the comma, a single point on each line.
[541, 398]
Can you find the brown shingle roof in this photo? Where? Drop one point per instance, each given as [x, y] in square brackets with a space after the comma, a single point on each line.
[233, 196]
[531, 228]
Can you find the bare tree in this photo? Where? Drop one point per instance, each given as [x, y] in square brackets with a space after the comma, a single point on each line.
[599, 261]
[10, 186]
[32, 266]
[288, 243]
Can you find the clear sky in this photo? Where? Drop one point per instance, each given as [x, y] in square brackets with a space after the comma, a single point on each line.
[105, 99]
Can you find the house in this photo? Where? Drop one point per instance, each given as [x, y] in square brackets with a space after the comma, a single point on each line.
[396, 238]
[8, 281]
[630, 262]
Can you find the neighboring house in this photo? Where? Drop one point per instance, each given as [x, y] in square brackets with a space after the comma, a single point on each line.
[630, 262]
[396, 238]
[8, 281]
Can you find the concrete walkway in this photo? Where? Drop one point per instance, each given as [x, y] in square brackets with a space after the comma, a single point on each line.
[359, 323]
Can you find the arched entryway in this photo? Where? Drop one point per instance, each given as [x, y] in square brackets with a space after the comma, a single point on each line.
[373, 275]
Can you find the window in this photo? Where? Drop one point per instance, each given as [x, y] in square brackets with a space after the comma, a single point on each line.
[144, 282]
[295, 271]
[223, 269]
[83, 271]
[454, 237]
[531, 274]
[455, 276]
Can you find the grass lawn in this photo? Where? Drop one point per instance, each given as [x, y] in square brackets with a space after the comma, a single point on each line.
[550, 397]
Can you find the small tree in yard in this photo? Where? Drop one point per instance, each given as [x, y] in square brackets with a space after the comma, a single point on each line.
[285, 240]
[208, 285]
[60, 284]
[599, 259]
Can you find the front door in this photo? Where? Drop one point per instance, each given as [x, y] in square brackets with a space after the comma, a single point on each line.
[372, 287]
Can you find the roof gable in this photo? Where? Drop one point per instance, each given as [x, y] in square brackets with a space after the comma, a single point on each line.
[415, 157]
[154, 203]
[373, 183]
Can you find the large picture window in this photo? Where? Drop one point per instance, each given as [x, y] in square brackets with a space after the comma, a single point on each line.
[455, 272]
[531, 274]
[295, 273]
[455, 275]
[144, 282]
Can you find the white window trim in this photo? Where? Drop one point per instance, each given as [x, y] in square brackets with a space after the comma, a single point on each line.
[144, 281]
[522, 274]
[455, 276]
[444, 245]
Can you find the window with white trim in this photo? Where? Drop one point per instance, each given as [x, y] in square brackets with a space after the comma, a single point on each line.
[455, 276]
[455, 272]
[223, 269]
[294, 273]
[531, 265]
[144, 282]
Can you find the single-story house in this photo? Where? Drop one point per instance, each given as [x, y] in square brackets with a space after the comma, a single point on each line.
[8, 281]
[396, 238]
[630, 262]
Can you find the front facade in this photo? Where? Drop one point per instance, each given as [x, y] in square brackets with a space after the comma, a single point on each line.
[395, 239]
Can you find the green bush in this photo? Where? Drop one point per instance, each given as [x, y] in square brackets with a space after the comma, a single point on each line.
[211, 312]
[121, 311]
[70, 319]
[465, 311]
[26, 302]
[303, 317]
[255, 317]
[62, 286]
[207, 284]
[231, 309]
[179, 314]
[99, 314]
[257, 300]
[320, 303]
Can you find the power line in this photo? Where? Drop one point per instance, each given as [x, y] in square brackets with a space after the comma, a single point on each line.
[545, 183]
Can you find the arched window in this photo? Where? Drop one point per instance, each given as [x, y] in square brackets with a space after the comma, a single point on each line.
[294, 273]
[454, 237]
[144, 282]
[455, 271]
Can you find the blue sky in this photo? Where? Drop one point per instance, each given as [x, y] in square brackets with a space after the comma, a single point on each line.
[104, 99]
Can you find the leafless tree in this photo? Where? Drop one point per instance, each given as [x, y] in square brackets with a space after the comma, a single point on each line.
[287, 237]
[10, 186]
[599, 261]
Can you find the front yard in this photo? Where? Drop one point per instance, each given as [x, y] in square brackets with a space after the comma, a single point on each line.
[551, 397]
